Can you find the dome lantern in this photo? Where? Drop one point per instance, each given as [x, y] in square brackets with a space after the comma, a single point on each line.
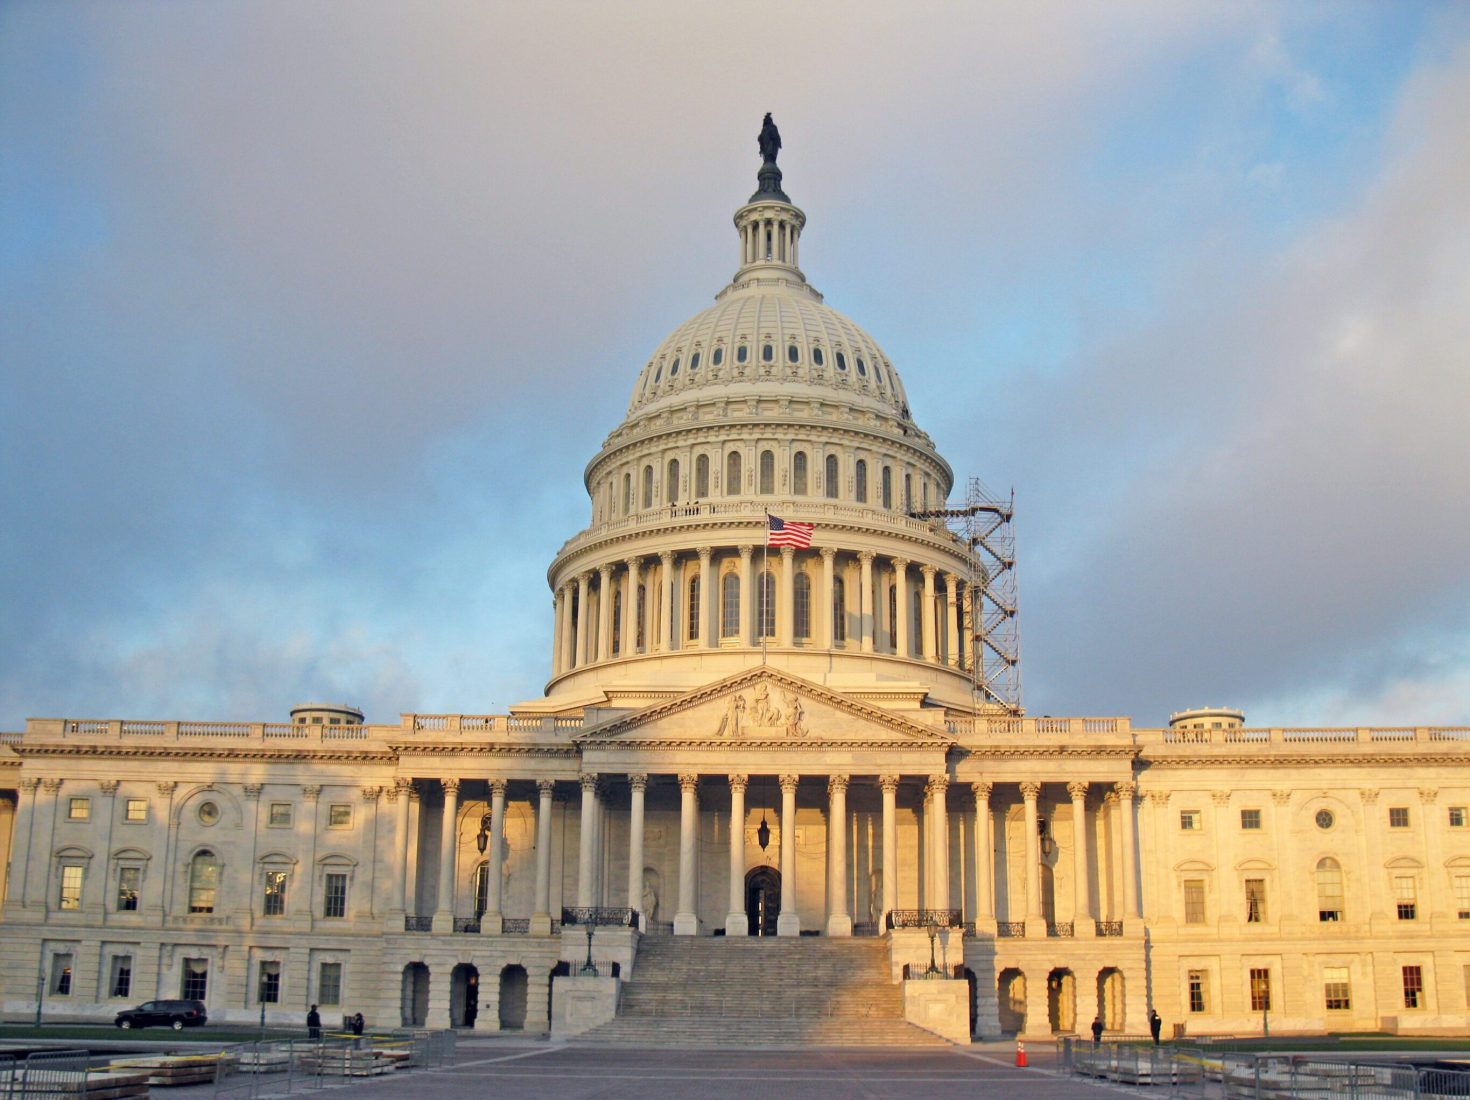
[769, 225]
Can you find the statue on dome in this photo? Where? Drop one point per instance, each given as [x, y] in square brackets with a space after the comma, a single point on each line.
[769, 140]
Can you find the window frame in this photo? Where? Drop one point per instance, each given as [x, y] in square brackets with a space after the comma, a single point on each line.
[1258, 983]
[1337, 989]
[79, 808]
[329, 896]
[1195, 906]
[1398, 817]
[333, 809]
[1250, 823]
[69, 887]
[280, 815]
[129, 805]
[1413, 985]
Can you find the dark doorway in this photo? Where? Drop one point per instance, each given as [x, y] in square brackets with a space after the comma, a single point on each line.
[762, 900]
[464, 984]
[415, 1004]
[513, 998]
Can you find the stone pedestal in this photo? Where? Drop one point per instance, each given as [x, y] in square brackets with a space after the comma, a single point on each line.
[579, 1004]
[788, 924]
[940, 1005]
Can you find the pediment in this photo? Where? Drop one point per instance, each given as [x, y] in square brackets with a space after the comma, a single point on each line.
[765, 706]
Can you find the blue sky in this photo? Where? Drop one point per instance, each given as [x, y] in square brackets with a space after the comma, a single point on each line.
[312, 318]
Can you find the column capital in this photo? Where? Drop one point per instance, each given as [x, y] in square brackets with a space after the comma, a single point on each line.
[951, 580]
[787, 553]
[638, 781]
[746, 552]
[54, 785]
[1077, 789]
[312, 791]
[252, 791]
[928, 571]
[584, 577]
[414, 794]
[633, 564]
[545, 786]
[401, 785]
[828, 553]
[738, 783]
[790, 782]
[936, 785]
[1126, 789]
[30, 783]
[109, 786]
[1369, 796]
[705, 553]
[667, 557]
[371, 794]
[588, 782]
[451, 786]
[498, 786]
[1159, 799]
[688, 782]
[1030, 789]
[837, 784]
[981, 790]
[888, 782]
[605, 570]
[901, 565]
[866, 556]
[1428, 795]
[1221, 798]
[167, 787]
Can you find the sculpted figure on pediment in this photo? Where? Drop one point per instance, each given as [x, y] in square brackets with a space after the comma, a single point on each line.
[795, 726]
[761, 711]
[734, 717]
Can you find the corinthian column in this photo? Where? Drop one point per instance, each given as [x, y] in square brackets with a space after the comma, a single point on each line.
[1082, 920]
[747, 596]
[630, 607]
[588, 781]
[788, 923]
[541, 917]
[448, 842]
[584, 618]
[686, 920]
[839, 921]
[901, 612]
[709, 601]
[952, 619]
[1126, 792]
[938, 791]
[889, 783]
[491, 922]
[637, 783]
[984, 845]
[786, 605]
[826, 610]
[667, 590]
[736, 923]
[868, 619]
[1035, 919]
[926, 616]
[604, 611]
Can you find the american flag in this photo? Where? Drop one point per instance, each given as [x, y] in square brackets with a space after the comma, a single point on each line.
[785, 532]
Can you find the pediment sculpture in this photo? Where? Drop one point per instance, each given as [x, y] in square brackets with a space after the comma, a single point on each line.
[753, 713]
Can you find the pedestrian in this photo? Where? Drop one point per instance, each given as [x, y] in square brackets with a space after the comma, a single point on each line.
[313, 1024]
[1097, 1030]
[1155, 1025]
[357, 1024]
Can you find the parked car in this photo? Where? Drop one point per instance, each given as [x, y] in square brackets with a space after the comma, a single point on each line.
[176, 1014]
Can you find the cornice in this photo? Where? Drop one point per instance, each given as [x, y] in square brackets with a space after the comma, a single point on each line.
[1324, 758]
[726, 746]
[482, 748]
[231, 752]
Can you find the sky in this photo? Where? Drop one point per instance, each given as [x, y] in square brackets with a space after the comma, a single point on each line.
[312, 315]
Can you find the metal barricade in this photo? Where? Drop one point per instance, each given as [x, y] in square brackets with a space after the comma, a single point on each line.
[47, 1073]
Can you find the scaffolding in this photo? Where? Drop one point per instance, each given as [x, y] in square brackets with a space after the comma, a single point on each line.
[991, 627]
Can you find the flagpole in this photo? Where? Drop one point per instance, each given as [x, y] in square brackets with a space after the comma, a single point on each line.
[765, 564]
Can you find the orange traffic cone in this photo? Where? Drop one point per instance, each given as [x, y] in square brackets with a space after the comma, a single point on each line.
[1020, 1055]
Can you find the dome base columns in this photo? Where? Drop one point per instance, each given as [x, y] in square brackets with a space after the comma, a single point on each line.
[788, 923]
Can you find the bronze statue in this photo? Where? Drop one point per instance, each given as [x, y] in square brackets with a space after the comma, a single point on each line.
[769, 140]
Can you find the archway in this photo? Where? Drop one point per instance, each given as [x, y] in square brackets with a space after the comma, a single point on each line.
[1061, 1001]
[464, 995]
[513, 998]
[562, 969]
[414, 1006]
[1011, 985]
[1110, 997]
[969, 976]
[762, 900]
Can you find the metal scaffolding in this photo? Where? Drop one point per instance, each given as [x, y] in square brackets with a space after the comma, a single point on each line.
[983, 525]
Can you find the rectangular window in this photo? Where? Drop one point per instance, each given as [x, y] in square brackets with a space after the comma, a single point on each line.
[136, 809]
[269, 992]
[1337, 988]
[1250, 819]
[1457, 817]
[334, 898]
[1198, 991]
[79, 809]
[1260, 989]
[70, 898]
[1194, 901]
[280, 815]
[1413, 987]
[129, 883]
[339, 815]
[1255, 901]
[1189, 821]
[1462, 896]
[1406, 896]
[329, 984]
[120, 976]
[61, 975]
[1398, 817]
[195, 983]
[275, 893]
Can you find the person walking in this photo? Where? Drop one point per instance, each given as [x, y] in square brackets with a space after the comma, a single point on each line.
[1097, 1030]
[313, 1024]
[357, 1024]
[1155, 1025]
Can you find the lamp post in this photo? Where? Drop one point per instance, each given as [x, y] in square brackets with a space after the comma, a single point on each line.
[589, 968]
[483, 836]
[933, 971]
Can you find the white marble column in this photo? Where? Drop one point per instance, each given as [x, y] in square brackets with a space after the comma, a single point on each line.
[1082, 919]
[584, 618]
[492, 920]
[1035, 919]
[902, 614]
[938, 792]
[709, 601]
[588, 781]
[736, 923]
[568, 635]
[984, 849]
[541, 917]
[604, 611]
[1126, 793]
[926, 616]
[788, 923]
[686, 918]
[839, 920]
[748, 596]
[889, 784]
[867, 620]
[667, 592]
[448, 843]
[399, 794]
[637, 784]
[825, 611]
[952, 619]
[786, 601]
[556, 633]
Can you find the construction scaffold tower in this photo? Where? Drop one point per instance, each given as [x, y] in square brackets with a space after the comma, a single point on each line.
[984, 526]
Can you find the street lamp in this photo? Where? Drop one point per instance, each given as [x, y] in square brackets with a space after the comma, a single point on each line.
[933, 923]
[483, 836]
[589, 968]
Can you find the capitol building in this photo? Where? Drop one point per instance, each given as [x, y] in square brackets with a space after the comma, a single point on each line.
[779, 777]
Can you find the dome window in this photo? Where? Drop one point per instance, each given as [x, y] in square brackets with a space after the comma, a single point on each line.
[792, 354]
[768, 353]
[841, 361]
[817, 356]
[717, 356]
[878, 372]
[694, 361]
[862, 368]
[658, 374]
[673, 370]
[742, 353]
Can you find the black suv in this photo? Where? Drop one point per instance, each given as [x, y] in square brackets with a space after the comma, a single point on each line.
[176, 1014]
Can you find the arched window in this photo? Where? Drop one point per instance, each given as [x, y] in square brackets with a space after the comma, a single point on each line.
[1329, 890]
[768, 473]
[817, 355]
[648, 486]
[925, 498]
[830, 480]
[693, 630]
[908, 492]
[801, 590]
[617, 620]
[717, 356]
[768, 353]
[860, 476]
[671, 483]
[839, 611]
[768, 605]
[641, 607]
[732, 474]
[742, 353]
[792, 354]
[730, 606]
[627, 494]
[694, 361]
[798, 474]
[203, 882]
[893, 616]
[701, 477]
[888, 486]
[916, 620]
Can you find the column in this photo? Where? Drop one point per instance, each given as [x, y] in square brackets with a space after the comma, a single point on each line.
[786, 605]
[1126, 792]
[1035, 920]
[938, 791]
[448, 841]
[709, 601]
[585, 840]
[559, 634]
[825, 612]
[967, 629]
[541, 917]
[604, 611]
[984, 851]
[901, 606]
[952, 621]
[747, 596]
[686, 920]
[630, 607]
[638, 784]
[23, 827]
[889, 783]
[788, 923]
[1082, 919]
[736, 923]
[926, 617]
[584, 618]
[399, 794]
[867, 620]
[492, 920]
[839, 920]
[667, 591]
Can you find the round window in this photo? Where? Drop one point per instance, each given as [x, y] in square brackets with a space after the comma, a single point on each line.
[208, 813]
[1324, 819]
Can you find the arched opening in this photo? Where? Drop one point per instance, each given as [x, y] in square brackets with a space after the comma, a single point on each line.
[701, 477]
[860, 481]
[671, 482]
[1110, 997]
[974, 984]
[798, 474]
[767, 473]
[1061, 1001]
[1329, 889]
[203, 882]
[730, 606]
[830, 480]
[802, 606]
[767, 605]
[513, 998]
[414, 1002]
[562, 969]
[647, 487]
[1011, 986]
[732, 474]
[762, 900]
[692, 625]
[464, 995]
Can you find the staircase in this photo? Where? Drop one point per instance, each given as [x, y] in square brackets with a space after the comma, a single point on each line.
[694, 991]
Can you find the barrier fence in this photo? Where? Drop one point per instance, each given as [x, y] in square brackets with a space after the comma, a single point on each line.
[284, 1067]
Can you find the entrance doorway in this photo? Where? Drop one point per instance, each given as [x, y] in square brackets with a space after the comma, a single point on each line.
[414, 1010]
[1061, 1001]
[513, 998]
[762, 900]
[464, 986]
